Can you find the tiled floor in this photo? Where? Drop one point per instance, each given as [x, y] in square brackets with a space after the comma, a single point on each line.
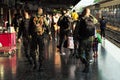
[62, 67]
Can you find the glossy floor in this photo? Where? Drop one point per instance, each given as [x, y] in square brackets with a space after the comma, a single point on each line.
[63, 67]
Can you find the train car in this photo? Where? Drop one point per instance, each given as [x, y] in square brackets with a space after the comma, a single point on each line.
[110, 9]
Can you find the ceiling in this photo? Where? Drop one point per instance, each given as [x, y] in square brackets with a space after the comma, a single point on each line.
[54, 3]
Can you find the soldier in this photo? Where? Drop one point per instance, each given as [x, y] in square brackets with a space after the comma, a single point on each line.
[37, 34]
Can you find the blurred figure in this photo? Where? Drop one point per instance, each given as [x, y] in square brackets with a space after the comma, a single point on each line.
[47, 28]
[103, 26]
[54, 26]
[75, 17]
[37, 31]
[84, 32]
[95, 47]
[23, 33]
[17, 20]
[64, 24]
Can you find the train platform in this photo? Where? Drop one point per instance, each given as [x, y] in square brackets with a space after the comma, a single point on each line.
[63, 67]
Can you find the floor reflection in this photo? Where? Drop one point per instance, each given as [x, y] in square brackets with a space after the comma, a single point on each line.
[62, 67]
[8, 67]
[57, 62]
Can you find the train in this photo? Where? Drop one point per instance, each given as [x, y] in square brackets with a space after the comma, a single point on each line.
[110, 9]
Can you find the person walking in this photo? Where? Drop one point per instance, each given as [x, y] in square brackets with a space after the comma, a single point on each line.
[103, 27]
[64, 24]
[17, 20]
[84, 32]
[23, 33]
[37, 34]
[74, 16]
[95, 47]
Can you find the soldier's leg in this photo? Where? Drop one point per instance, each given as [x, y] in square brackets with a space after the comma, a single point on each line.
[41, 44]
[33, 48]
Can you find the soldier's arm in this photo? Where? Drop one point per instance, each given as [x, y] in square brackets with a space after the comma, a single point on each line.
[45, 22]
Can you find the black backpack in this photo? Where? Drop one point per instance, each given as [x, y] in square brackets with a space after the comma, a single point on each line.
[90, 27]
[87, 27]
[64, 22]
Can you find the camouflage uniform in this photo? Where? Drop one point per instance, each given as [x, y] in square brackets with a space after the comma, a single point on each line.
[37, 38]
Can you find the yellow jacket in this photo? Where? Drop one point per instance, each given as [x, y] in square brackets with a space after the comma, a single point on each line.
[74, 15]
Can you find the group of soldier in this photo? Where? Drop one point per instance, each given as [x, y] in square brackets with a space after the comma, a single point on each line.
[32, 30]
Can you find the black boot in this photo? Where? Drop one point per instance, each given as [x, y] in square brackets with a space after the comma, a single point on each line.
[86, 69]
[30, 62]
[35, 65]
[40, 66]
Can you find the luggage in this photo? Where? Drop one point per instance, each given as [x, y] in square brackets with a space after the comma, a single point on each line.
[69, 43]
